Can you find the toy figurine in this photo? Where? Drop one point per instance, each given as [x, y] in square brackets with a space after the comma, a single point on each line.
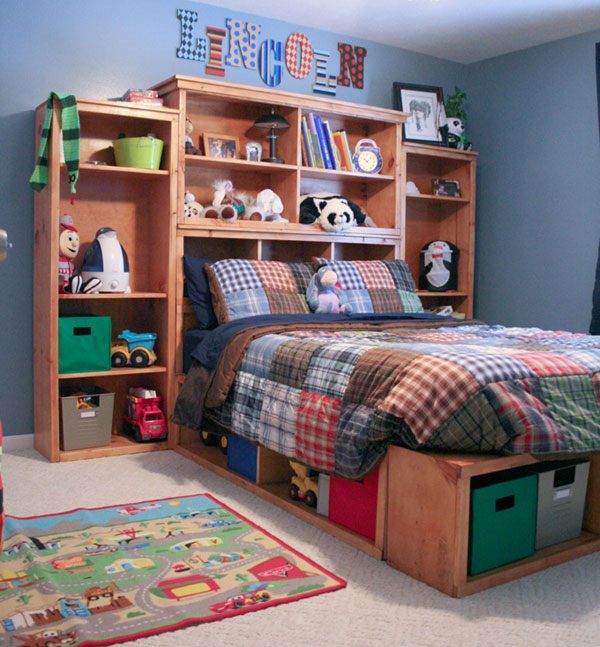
[106, 260]
[190, 149]
[191, 208]
[69, 280]
[225, 205]
[270, 205]
[325, 294]
[68, 248]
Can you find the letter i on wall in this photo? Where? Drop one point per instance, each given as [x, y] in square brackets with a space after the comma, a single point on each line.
[324, 83]
[216, 37]
[187, 49]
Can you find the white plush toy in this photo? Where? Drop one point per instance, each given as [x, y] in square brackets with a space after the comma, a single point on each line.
[270, 204]
[191, 208]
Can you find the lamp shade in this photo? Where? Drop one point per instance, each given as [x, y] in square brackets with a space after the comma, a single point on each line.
[271, 120]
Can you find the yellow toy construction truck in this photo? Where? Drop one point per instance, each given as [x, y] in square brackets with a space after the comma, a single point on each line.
[304, 485]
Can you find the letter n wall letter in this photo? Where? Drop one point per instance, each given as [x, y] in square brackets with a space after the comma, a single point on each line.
[352, 65]
[243, 43]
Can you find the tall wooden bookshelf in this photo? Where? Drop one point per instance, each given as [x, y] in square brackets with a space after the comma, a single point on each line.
[141, 206]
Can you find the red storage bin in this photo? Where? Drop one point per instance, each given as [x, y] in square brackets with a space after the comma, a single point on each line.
[353, 504]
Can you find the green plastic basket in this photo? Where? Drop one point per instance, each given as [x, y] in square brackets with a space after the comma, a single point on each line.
[138, 152]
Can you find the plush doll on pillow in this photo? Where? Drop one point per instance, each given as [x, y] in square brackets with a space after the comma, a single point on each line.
[325, 294]
[332, 212]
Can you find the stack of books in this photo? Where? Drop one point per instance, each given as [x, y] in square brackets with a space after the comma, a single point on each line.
[322, 147]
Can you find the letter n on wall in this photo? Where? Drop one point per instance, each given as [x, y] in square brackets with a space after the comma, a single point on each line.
[352, 65]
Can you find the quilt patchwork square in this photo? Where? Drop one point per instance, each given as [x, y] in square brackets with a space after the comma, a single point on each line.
[318, 417]
[277, 421]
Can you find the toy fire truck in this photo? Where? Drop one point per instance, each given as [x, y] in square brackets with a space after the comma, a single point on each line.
[144, 419]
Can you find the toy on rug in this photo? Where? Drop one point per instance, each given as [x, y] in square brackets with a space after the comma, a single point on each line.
[325, 294]
[332, 212]
[190, 149]
[226, 205]
[191, 208]
[106, 260]
[69, 280]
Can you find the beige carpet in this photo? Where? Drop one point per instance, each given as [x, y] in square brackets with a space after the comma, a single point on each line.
[380, 606]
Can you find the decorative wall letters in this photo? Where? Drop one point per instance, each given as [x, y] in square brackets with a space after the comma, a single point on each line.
[244, 49]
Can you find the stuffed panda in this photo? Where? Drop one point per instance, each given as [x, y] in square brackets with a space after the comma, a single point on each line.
[332, 212]
[456, 134]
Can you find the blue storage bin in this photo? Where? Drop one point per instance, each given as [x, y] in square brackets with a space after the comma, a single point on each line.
[242, 456]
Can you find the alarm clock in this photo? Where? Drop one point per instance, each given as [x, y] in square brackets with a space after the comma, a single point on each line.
[367, 157]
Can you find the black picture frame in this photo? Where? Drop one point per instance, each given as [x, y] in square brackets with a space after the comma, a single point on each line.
[425, 107]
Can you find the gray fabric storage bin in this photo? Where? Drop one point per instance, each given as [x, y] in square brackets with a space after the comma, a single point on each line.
[562, 487]
[86, 417]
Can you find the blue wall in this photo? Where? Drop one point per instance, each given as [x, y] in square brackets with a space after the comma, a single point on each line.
[99, 50]
[534, 117]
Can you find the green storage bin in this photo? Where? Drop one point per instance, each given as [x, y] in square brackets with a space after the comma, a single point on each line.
[84, 344]
[503, 520]
[138, 152]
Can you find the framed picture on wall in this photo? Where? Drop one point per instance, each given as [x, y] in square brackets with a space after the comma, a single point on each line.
[425, 107]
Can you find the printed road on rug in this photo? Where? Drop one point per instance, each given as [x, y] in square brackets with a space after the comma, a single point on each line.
[105, 575]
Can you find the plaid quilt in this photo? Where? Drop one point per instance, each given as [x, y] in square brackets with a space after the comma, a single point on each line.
[336, 399]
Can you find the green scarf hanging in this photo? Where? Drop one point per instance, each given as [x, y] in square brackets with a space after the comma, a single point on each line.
[70, 137]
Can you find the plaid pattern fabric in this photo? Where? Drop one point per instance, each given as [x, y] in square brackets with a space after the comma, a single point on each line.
[376, 286]
[335, 400]
[277, 420]
[243, 288]
[316, 423]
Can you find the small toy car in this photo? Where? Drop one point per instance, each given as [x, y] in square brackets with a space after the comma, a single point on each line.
[136, 349]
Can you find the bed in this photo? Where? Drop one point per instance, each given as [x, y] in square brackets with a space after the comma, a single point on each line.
[334, 391]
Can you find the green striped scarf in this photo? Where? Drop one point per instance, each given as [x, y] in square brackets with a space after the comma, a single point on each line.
[70, 135]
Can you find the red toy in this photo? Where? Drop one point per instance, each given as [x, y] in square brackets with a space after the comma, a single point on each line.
[144, 419]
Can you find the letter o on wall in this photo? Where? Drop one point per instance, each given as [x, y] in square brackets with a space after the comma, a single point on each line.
[295, 43]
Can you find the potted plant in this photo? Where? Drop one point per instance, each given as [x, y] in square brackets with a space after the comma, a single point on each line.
[455, 120]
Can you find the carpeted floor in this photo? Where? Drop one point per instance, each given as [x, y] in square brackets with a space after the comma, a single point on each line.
[380, 606]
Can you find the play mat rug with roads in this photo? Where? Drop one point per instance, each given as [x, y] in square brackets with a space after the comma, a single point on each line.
[101, 576]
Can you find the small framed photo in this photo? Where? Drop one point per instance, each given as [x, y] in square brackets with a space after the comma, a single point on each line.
[221, 146]
[253, 152]
[426, 114]
[448, 188]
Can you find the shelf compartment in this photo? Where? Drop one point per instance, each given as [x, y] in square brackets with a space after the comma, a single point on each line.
[266, 168]
[117, 170]
[114, 372]
[425, 294]
[436, 198]
[347, 176]
[119, 445]
[276, 493]
[113, 295]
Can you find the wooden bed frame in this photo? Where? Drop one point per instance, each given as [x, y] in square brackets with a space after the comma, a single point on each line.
[423, 499]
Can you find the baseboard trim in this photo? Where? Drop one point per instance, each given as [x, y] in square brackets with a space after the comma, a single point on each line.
[13, 443]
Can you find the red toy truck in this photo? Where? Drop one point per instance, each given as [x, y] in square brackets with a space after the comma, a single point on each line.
[144, 419]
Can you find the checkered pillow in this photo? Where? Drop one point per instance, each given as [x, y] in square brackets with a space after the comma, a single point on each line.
[376, 286]
[242, 288]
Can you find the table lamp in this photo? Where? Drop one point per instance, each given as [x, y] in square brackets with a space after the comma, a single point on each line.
[274, 122]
